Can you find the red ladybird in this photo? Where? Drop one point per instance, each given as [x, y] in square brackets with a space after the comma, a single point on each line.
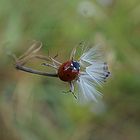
[68, 71]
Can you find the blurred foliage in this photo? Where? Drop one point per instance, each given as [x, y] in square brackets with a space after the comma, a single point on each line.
[34, 107]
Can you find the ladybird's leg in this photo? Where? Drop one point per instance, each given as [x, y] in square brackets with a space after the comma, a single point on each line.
[71, 86]
[42, 57]
[55, 65]
[72, 89]
[50, 65]
[55, 61]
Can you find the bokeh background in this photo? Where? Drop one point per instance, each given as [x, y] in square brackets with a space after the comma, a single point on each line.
[34, 107]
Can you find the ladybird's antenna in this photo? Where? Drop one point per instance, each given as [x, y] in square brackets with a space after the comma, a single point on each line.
[72, 89]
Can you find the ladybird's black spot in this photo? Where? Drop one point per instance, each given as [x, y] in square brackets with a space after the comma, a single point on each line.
[68, 75]
[107, 75]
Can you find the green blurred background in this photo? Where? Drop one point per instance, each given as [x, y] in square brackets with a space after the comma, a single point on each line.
[34, 107]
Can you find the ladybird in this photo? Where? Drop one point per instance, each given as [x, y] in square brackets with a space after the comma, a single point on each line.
[68, 71]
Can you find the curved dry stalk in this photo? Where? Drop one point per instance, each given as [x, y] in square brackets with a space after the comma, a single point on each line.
[30, 54]
[72, 56]
[29, 70]
[34, 48]
[73, 53]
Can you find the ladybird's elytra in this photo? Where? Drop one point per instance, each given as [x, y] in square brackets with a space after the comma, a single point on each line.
[68, 71]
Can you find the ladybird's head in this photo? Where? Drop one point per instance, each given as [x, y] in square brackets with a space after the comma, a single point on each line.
[75, 65]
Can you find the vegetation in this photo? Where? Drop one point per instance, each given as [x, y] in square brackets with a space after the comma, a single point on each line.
[35, 107]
